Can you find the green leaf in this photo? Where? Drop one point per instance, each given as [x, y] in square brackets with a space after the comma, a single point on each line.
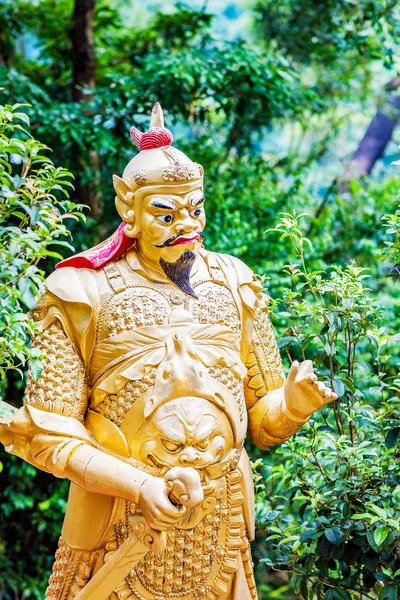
[380, 534]
[389, 591]
[334, 535]
[392, 437]
[307, 535]
[383, 577]
[338, 387]
[36, 368]
[23, 117]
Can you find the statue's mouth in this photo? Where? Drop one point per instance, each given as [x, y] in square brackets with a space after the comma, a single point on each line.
[178, 238]
[185, 240]
[157, 462]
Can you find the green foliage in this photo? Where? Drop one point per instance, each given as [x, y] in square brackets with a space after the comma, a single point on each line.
[392, 223]
[328, 501]
[34, 206]
[32, 221]
[272, 123]
[325, 31]
[341, 41]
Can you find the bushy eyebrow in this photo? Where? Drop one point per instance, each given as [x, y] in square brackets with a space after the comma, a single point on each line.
[157, 204]
[195, 202]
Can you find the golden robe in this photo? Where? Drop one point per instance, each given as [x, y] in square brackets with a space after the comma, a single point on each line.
[105, 334]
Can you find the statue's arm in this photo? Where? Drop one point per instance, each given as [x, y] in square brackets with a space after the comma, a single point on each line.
[278, 407]
[49, 430]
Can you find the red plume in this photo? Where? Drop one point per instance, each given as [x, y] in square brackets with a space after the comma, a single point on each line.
[155, 137]
[136, 136]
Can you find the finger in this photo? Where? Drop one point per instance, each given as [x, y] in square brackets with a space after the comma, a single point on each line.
[317, 386]
[293, 371]
[159, 516]
[165, 506]
[334, 396]
[158, 524]
[305, 371]
[165, 523]
[310, 379]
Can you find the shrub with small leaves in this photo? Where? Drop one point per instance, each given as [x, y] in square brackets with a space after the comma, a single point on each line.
[328, 501]
[34, 206]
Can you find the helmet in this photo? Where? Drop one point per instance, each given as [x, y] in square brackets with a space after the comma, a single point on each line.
[159, 168]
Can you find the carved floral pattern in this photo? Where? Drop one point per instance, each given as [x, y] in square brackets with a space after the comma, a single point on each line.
[139, 177]
[215, 305]
[178, 173]
[136, 307]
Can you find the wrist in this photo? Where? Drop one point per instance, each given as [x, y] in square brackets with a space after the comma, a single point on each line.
[293, 412]
[297, 404]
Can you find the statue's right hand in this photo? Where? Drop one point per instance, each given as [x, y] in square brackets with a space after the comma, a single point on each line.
[156, 507]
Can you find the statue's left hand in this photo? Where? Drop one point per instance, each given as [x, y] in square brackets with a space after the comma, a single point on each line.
[304, 394]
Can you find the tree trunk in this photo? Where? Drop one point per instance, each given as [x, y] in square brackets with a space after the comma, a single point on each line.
[83, 57]
[84, 79]
[376, 138]
[371, 148]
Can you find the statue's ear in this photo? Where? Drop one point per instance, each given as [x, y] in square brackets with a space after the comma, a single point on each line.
[124, 205]
[122, 189]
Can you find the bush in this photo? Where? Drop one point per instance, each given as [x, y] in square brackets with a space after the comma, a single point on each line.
[34, 206]
[328, 499]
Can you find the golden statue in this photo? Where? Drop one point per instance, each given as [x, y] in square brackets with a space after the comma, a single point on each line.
[159, 357]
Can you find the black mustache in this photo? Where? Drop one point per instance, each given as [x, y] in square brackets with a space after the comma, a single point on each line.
[171, 239]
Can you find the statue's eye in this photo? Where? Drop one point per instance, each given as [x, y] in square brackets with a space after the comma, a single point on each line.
[165, 219]
[196, 212]
[172, 446]
[203, 445]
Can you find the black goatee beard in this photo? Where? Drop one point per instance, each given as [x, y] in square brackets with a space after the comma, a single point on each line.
[179, 271]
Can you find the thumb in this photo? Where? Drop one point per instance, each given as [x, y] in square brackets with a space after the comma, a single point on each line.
[293, 372]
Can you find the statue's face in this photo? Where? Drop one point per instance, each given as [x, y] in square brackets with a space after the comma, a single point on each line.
[171, 231]
[189, 432]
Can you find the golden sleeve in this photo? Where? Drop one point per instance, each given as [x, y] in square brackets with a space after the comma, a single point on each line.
[61, 390]
[49, 430]
[62, 384]
[270, 423]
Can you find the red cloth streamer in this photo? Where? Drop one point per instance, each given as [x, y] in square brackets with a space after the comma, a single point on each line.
[96, 258]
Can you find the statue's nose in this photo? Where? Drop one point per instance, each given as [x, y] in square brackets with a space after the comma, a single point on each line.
[186, 225]
[189, 457]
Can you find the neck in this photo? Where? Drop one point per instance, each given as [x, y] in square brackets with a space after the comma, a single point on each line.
[152, 267]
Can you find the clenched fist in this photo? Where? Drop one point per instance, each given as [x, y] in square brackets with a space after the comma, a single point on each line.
[163, 501]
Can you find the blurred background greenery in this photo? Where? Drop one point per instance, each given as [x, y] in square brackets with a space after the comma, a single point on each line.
[293, 108]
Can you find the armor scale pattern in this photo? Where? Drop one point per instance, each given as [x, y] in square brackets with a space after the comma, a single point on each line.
[185, 569]
[264, 365]
[72, 570]
[61, 387]
[116, 406]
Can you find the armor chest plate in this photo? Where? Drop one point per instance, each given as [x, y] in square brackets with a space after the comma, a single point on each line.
[145, 305]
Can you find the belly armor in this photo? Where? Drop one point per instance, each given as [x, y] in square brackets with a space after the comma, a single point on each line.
[167, 386]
